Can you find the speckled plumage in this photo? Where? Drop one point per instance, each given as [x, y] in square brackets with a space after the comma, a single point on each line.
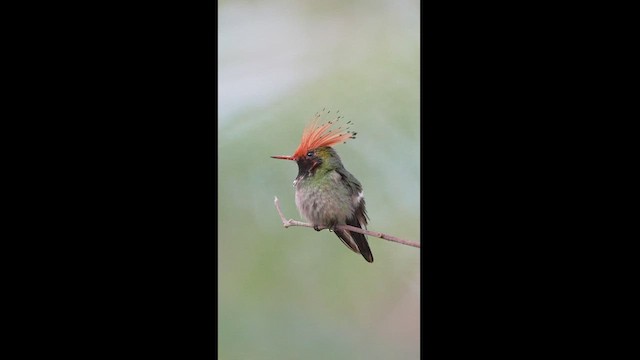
[327, 194]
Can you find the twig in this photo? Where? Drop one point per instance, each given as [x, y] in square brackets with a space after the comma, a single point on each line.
[287, 223]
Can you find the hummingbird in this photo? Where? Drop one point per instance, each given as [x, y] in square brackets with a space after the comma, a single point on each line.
[326, 193]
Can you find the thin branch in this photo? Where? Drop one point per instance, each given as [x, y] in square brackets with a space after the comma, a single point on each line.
[287, 223]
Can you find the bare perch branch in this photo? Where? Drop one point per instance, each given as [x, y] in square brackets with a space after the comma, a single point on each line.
[287, 223]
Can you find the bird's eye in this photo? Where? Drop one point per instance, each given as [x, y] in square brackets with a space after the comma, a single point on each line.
[310, 154]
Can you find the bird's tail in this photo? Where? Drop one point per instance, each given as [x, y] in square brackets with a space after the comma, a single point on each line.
[356, 242]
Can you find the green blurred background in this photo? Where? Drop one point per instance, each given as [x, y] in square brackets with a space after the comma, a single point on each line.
[296, 293]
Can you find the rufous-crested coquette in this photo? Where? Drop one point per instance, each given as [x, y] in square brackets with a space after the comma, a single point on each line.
[326, 193]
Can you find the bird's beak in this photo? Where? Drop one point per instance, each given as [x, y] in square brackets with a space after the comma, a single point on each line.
[283, 157]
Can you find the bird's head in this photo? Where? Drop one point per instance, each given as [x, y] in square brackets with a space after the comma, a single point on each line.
[315, 147]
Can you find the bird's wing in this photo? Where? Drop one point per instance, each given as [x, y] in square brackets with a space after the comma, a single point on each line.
[357, 219]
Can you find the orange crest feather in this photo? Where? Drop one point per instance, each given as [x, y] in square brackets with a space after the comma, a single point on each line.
[316, 135]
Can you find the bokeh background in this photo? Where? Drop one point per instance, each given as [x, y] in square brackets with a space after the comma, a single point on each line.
[296, 293]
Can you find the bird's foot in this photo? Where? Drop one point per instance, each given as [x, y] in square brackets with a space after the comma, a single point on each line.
[316, 228]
